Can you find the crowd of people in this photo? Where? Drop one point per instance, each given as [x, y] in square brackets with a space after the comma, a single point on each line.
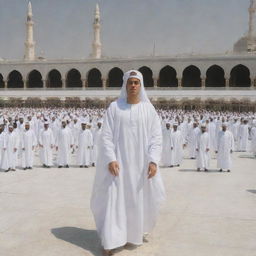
[57, 134]
[207, 134]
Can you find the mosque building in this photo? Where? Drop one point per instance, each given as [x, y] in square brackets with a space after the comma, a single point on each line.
[222, 77]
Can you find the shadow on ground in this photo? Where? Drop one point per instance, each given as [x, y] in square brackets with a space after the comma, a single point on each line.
[194, 170]
[86, 239]
[251, 191]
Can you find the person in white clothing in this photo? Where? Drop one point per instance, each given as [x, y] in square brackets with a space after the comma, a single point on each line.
[85, 143]
[46, 144]
[225, 147]
[28, 144]
[128, 187]
[202, 149]
[166, 152]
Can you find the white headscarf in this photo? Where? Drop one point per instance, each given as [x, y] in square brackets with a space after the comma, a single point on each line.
[133, 74]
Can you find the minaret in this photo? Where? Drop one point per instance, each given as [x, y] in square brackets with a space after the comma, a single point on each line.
[251, 44]
[29, 44]
[96, 45]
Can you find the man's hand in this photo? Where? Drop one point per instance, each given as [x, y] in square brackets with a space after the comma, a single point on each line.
[113, 167]
[152, 169]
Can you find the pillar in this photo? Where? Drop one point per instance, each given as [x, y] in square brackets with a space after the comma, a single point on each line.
[5, 84]
[252, 82]
[63, 82]
[104, 83]
[84, 83]
[179, 82]
[25, 83]
[44, 83]
[227, 82]
[203, 82]
[155, 82]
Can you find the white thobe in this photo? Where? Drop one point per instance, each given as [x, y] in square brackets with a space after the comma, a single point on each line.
[212, 134]
[47, 141]
[243, 137]
[202, 145]
[126, 206]
[85, 142]
[9, 159]
[63, 142]
[225, 144]
[177, 142]
[28, 141]
[192, 136]
[166, 152]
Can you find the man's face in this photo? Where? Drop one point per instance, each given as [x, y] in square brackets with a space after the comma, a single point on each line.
[10, 129]
[27, 127]
[63, 124]
[168, 126]
[203, 129]
[133, 87]
[83, 126]
[46, 126]
[99, 125]
[175, 128]
[224, 128]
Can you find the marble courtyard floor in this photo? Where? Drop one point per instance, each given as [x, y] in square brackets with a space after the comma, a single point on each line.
[46, 212]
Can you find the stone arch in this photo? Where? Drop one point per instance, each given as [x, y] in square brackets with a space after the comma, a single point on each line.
[73, 78]
[168, 77]
[191, 77]
[15, 80]
[240, 76]
[34, 79]
[115, 77]
[54, 79]
[1, 81]
[215, 77]
[94, 78]
[147, 76]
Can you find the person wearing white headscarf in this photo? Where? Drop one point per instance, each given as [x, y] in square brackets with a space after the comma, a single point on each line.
[203, 148]
[128, 188]
[166, 152]
[225, 147]
[46, 144]
[85, 143]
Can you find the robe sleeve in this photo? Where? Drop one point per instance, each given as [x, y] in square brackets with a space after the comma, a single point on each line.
[108, 146]
[155, 140]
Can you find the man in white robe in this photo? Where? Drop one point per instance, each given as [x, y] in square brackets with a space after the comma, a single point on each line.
[10, 148]
[128, 187]
[85, 143]
[177, 146]
[64, 144]
[28, 144]
[202, 149]
[192, 137]
[225, 147]
[212, 134]
[46, 144]
[166, 152]
[243, 136]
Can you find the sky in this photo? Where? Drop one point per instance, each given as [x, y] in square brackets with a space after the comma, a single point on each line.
[130, 28]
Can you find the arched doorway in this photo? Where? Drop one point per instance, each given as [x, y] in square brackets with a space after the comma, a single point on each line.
[15, 80]
[215, 77]
[94, 78]
[74, 79]
[240, 76]
[1, 81]
[168, 77]
[147, 76]
[54, 79]
[35, 79]
[191, 77]
[115, 77]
